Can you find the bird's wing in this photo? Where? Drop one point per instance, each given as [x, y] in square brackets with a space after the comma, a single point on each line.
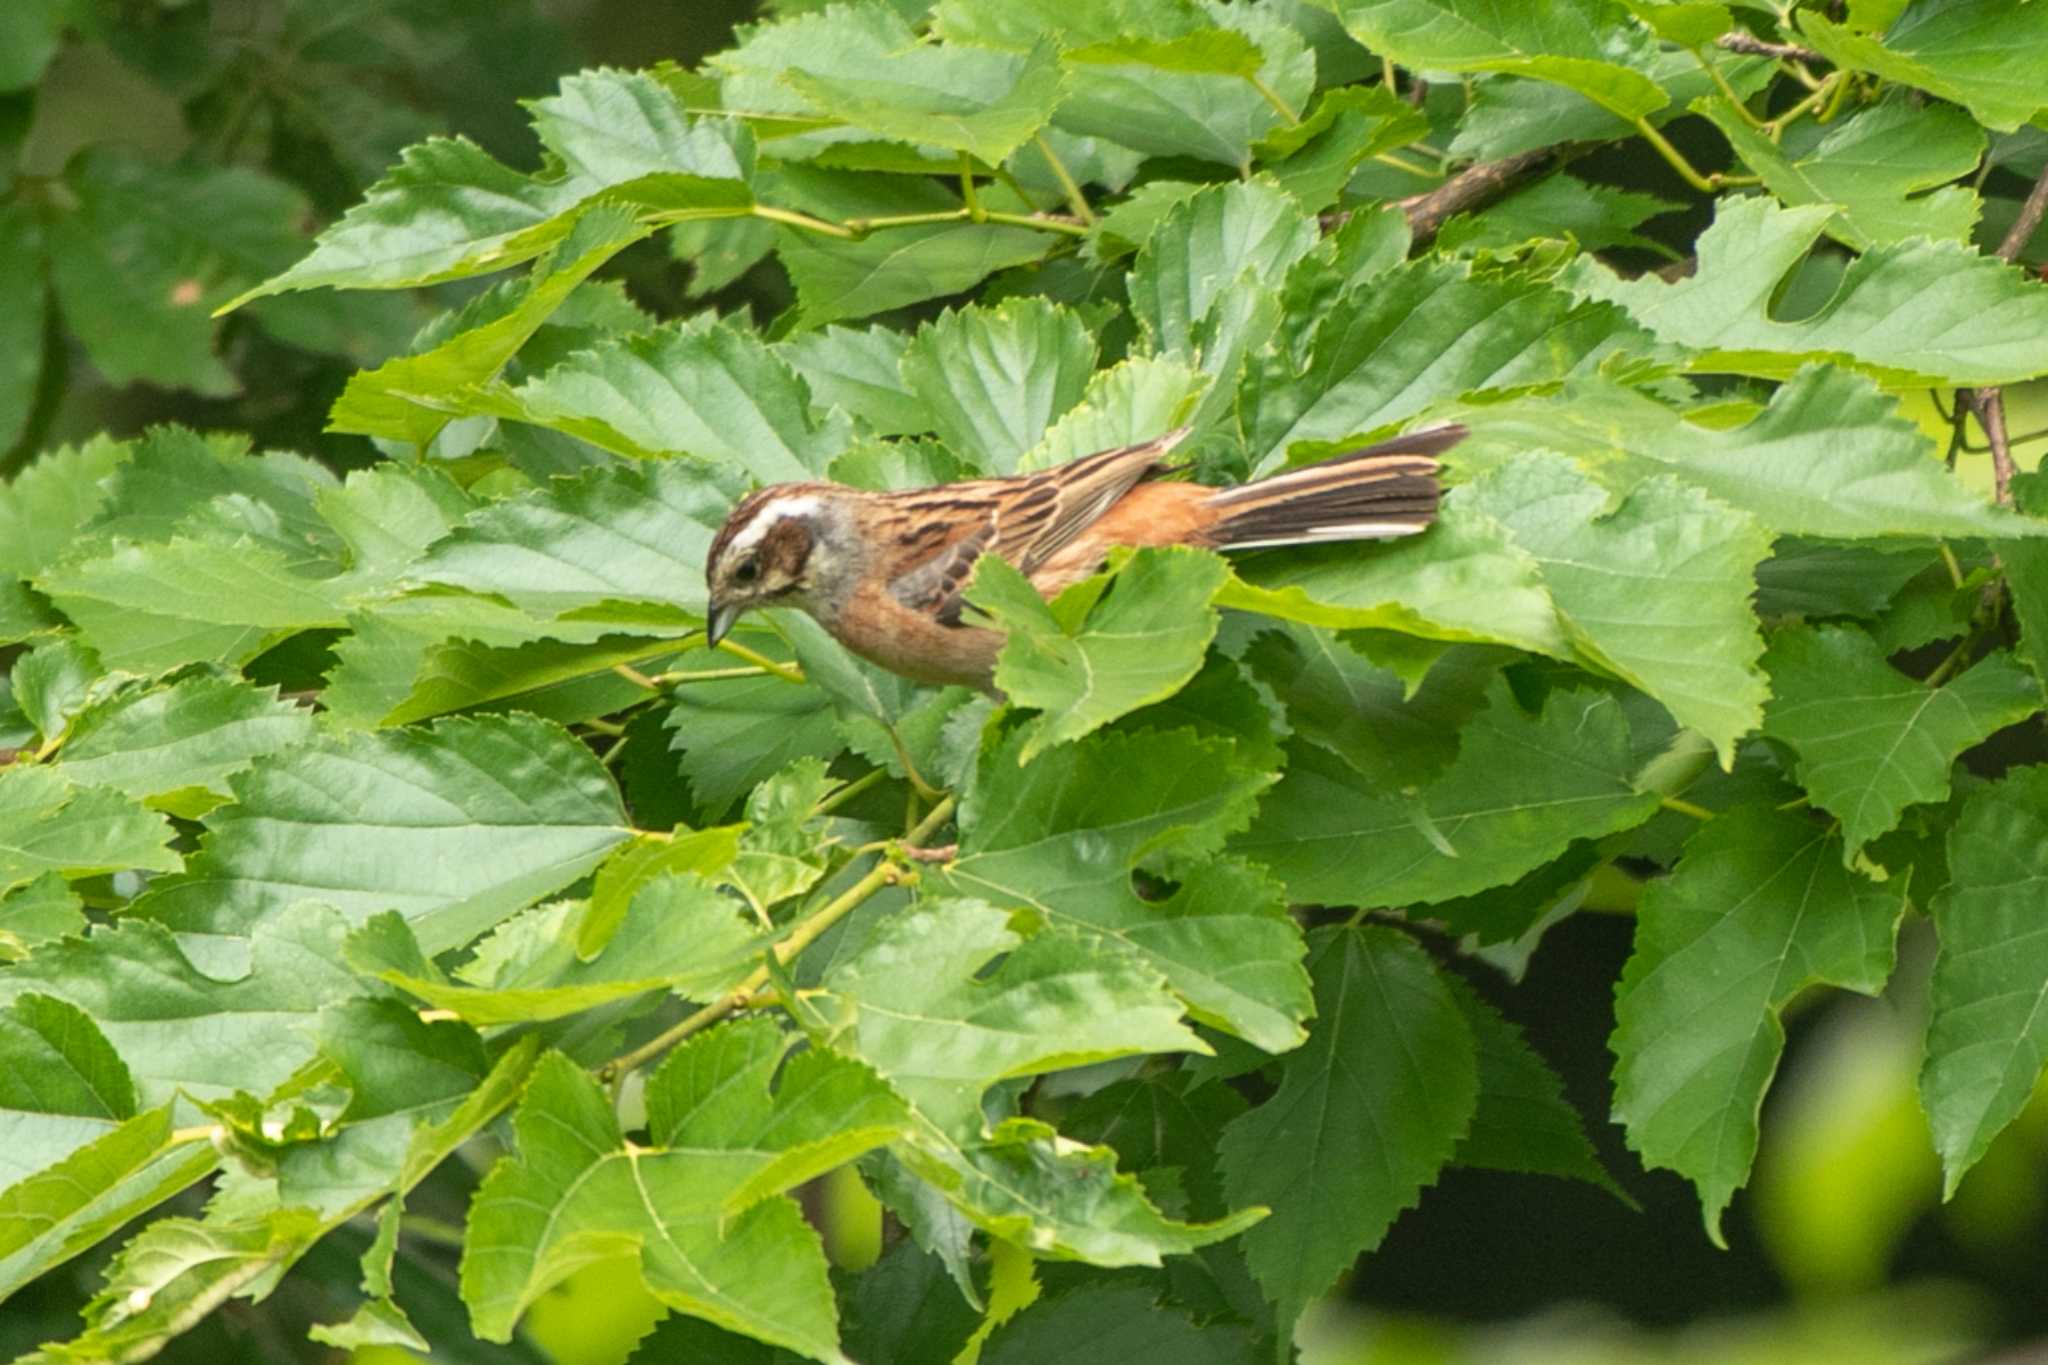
[1026, 520]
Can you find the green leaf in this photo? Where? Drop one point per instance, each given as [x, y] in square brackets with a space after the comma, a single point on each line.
[1831, 455]
[838, 278]
[49, 825]
[1590, 47]
[700, 388]
[633, 533]
[679, 934]
[61, 1084]
[914, 1004]
[448, 210]
[1366, 1114]
[1204, 248]
[1759, 908]
[1465, 580]
[1521, 789]
[175, 744]
[29, 36]
[641, 861]
[1986, 1040]
[1105, 1323]
[412, 397]
[973, 100]
[1062, 836]
[44, 506]
[45, 909]
[1522, 1121]
[181, 1029]
[1919, 312]
[83, 1199]
[2026, 575]
[1509, 115]
[700, 1206]
[860, 372]
[151, 250]
[52, 683]
[1656, 591]
[1133, 400]
[1139, 646]
[178, 483]
[1313, 160]
[387, 516]
[1597, 217]
[1983, 55]
[733, 734]
[1426, 331]
[1872, 741]
[24, 303]
[1868, 167]
[150, 607]
[995, 377]
[1341, 700]
[455, 826]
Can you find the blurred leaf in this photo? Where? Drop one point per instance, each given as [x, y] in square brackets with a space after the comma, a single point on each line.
[151, 251]
[1521, 789]
[1983, 55]
[1872, 741]
[455, 825]
[1759, 908]
[1868, 166]
[24, 299]
[1985, 1041]
[2026, 575]
[1366, 1114]
[1106, 1324]
[1920, 312]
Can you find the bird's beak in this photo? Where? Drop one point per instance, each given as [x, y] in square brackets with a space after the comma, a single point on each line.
[718, 620]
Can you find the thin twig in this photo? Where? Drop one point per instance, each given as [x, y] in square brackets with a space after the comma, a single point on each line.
[1750, 45]
[1989, 402]
[1469, 188]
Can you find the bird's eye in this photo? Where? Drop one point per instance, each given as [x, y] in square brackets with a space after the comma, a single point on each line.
[747, 571]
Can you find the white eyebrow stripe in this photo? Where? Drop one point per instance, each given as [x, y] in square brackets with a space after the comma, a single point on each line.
[780, 509]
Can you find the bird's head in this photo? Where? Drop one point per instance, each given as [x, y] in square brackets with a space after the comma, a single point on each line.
[769, 553]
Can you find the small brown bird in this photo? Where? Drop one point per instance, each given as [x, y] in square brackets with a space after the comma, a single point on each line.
[883, 572]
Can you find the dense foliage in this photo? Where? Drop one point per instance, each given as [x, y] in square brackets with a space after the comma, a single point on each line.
[351, 825]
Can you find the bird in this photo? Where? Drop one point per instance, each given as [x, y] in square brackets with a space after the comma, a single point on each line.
[884, 572]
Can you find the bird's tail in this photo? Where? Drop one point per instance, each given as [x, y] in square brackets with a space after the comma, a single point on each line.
[1375, 493]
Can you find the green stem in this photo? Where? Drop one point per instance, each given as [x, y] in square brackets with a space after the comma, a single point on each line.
[803, 220]
[1042, 224]
[807, 931]
[761, 661]
[1705, 184]
[1685, 807]
[863, 783]
[1272, 97]
[1402, 164]
[1076, 200]
[1727, 91]
[967, 194]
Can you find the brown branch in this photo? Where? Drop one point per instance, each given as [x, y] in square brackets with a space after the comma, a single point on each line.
[1469, 188]
[1752, 46]
[1989, 403]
